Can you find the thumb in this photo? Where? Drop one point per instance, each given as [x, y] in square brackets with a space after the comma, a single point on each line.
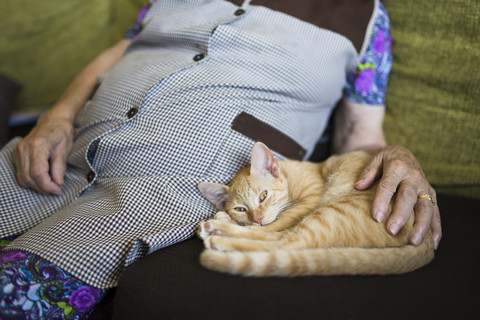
[371, 172]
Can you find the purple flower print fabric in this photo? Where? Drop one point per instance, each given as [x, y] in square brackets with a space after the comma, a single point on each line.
[367, 84]
[137, 26]
[33, 288]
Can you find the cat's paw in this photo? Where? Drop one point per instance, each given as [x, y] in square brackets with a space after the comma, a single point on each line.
[207, 228]
[211, 242]
[220, 221]
[221, 243]
[221, 215]
[204, 230]
[202, 233]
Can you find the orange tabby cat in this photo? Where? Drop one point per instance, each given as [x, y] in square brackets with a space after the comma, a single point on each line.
[291, 218]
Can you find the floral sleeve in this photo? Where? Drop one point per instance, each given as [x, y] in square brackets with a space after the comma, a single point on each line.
[137, 26]
[367, 84]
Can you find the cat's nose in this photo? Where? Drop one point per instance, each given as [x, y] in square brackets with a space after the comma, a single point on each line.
[258, 220]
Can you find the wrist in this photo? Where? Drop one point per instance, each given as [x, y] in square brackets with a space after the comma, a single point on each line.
[61, 112]
[360, 141]
[55, 117]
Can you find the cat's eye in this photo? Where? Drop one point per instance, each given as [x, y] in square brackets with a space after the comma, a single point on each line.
[263, 196]
[241, 209]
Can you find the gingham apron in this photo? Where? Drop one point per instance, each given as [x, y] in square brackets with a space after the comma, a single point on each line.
[182, 106]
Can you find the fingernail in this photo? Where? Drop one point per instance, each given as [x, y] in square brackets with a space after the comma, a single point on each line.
[393, 228]
[380, 216]
[415, 239]
[359, 182]
[436, 241]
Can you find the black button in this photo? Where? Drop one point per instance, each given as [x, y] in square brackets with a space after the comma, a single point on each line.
[90, 176]
[199, 57]
[132, 112]
[239, 12]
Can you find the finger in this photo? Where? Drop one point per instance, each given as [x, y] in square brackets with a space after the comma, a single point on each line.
[21, 161]
[40, 172]
[424, 211]
[436, 225]
[58, 166]
[402, 209]
[371, 172]
[387, 187]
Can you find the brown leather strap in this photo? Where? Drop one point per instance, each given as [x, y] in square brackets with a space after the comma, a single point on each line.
[276, 140]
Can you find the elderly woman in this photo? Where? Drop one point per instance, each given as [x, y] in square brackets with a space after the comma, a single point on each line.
[109, 176]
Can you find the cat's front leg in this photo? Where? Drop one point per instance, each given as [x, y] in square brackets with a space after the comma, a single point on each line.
[206, 228]
[221, 243]
[220, 227]
[222, 215]
[229, 229]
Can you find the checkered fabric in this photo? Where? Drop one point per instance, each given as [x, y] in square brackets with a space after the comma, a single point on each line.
[160, 123]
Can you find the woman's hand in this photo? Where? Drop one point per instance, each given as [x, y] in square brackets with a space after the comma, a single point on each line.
[359, 127]
[400, 173]
[40, 159]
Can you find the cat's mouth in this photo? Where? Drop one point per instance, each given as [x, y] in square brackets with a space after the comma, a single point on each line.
[265, 221]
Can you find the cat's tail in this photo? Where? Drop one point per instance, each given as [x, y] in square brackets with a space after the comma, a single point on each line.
[320, 261]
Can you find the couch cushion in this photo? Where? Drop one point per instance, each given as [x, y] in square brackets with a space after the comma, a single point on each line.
[45, 43]
[434, 90]
[171, 284]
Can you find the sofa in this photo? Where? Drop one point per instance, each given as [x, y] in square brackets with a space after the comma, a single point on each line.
[433, 109]
[171, 284]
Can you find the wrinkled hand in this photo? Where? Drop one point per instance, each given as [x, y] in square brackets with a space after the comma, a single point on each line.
[40, 159]
[399, 172]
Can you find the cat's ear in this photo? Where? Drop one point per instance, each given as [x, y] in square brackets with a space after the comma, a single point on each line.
[263, 163]
[214, 192]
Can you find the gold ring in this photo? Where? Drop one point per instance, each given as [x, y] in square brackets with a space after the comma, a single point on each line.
[427, 196]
